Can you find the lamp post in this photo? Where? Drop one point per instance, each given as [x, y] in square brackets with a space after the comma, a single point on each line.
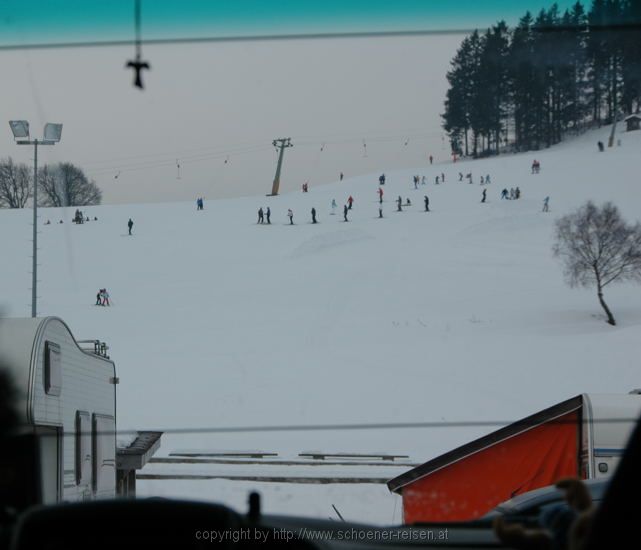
[52, 134]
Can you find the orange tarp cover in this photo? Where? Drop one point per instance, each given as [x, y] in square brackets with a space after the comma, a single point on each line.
[471, 487]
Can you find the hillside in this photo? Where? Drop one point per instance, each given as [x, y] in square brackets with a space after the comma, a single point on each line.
[459, 314]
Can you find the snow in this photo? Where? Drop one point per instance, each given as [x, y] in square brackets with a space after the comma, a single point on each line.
[459, 314]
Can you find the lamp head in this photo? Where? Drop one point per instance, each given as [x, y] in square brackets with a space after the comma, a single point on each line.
[53, 132]
[20, 129]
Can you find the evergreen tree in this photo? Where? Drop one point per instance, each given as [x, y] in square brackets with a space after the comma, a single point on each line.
[522, 74]
[493, 85]
[456, 119]
[553, 74]
[631, 36]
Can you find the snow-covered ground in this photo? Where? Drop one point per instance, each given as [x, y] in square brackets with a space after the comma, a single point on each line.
[459, 314]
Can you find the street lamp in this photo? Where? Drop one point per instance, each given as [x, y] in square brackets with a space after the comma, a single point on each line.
[52, 134]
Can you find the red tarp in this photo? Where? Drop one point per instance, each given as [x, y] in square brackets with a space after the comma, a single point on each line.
[471, 487]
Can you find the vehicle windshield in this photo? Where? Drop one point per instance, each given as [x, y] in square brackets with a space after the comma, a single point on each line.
[377, 261]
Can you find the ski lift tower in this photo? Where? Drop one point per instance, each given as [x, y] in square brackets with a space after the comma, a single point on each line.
[281, 144]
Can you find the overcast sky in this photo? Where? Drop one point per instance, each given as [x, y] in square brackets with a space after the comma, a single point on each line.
[204, 104]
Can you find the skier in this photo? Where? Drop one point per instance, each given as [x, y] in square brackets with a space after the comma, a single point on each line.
[460, 176]
[345, 209]
[105, 297]
[313, 215]
[512, 194]
[427, 203]
[130, 225]
[469, 177]
[546, 207]
[341, 176]
[482, 180]
[380, 195]
[504, 194]
[350, 201]
[415, 182]
[268, 213]
[484, 193]
[334, 206]
[442, 177]
[601, 146]
[380, 211]
[99, 298]
[408, 202]
[437, 180]
[290, 215]
[381, 179]
[517, 193]
[399, 203]
[487, 179]
[260, 215]
[431, 159]
[423, 180]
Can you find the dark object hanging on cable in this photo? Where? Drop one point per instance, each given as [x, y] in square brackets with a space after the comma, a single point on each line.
[138, 64]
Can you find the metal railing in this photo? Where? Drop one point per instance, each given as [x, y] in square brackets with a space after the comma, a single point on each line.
[94, 346]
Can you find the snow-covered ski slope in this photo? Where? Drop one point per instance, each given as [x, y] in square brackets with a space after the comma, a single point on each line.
[459, 314]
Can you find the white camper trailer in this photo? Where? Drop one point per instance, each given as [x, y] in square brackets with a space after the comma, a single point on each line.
[609, 420]
[68, 398]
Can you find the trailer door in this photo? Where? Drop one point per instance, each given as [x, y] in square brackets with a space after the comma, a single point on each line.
[104, 456]
[50, 443]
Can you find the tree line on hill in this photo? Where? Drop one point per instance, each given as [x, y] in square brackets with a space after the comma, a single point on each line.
[524, 88]
[62, 184]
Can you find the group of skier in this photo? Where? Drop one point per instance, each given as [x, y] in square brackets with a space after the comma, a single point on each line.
[512, 194]
[102, 297]
[264, 216]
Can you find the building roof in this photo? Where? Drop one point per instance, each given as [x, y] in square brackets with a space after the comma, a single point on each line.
[518, 427]
[632, 117]
[138, 453]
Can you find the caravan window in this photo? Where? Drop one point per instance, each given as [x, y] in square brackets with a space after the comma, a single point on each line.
[83, 448]
[104, 453]
[53, 369]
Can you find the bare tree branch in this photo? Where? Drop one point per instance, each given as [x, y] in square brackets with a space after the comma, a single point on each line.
[15, 184]
[597, 248]
[65, 184]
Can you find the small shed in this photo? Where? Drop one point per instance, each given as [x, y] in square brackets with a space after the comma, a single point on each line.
[633, 122]
[582, 437]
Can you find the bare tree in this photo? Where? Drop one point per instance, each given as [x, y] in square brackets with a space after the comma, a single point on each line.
[67, 185]
[598, 248]
[15, 184]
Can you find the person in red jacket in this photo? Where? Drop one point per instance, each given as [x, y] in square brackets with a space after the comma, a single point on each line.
[349, 202]
[380, 195]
